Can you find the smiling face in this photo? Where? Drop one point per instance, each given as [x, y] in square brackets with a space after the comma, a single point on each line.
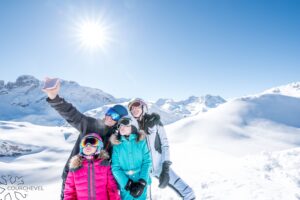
[125, 130]
[136, 111]
[89, 150]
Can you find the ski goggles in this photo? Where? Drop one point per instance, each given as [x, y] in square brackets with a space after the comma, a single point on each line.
[125, 121]
[113, 114]
[91, 141]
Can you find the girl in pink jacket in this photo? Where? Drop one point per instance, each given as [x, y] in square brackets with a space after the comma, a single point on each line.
[90, 176]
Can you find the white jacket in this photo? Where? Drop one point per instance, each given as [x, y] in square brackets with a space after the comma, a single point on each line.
[157, 141]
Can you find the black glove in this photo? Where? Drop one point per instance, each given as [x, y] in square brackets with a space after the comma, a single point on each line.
[137, 188]
[164, 177]
[129, 185]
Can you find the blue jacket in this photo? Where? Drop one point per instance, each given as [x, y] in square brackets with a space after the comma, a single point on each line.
[130, 160]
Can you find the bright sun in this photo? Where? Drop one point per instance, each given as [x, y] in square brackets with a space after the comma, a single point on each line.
[93, 35]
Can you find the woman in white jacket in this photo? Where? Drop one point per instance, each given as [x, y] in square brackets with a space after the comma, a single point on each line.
[159, 147]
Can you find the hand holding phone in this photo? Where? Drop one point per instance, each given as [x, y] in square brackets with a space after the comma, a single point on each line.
[51, 87]
[50, 83]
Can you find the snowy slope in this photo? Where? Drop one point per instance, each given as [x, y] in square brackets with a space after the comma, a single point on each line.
[214, 173]
[244, 125]
[248, 148]
[292, 89]
[244, 149]
[35, 156]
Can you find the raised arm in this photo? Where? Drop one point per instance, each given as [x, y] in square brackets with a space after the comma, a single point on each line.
[69, 113]
[75, 118]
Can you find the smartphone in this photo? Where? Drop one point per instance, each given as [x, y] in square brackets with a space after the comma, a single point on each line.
[51, 83]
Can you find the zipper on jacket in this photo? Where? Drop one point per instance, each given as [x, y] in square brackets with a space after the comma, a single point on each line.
[89, 188]
[94, 182]
[130, 148]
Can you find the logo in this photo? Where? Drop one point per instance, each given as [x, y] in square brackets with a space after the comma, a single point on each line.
[14, 188]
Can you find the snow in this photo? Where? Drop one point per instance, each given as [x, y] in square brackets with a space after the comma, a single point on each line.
[214, 173]
[292, 89]
[247, 148]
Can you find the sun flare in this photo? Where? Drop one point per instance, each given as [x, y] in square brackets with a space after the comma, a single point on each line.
[93, 35]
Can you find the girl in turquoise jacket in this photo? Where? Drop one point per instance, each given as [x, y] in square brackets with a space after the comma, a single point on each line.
[131, 161]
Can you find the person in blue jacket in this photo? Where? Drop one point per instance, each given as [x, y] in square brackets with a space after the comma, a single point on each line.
[131, 161]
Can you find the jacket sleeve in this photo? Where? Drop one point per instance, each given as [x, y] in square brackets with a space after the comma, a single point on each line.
[164, 143]
[112, 187]
[75, 118]
[70, 190]
[118, 173]
[147, 162]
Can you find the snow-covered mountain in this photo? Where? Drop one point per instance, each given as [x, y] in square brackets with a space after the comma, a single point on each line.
[292, 89]
[191, 106]
[248, 123]
[247, 148]
[23, 100]
[170, 110]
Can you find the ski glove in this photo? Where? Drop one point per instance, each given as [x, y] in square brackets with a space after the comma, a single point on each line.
[137, 188]
[129, 185]
[164, 177]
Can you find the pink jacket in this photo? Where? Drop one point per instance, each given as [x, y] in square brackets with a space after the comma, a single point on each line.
[90, 180]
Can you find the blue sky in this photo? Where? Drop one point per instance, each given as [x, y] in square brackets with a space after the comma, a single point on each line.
[160, 48]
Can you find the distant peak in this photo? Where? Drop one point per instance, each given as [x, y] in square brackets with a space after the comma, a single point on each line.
[193, 98]
[162, 101]
[26, 80]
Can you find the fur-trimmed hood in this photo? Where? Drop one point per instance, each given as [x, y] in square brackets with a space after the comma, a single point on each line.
[115, 139]
[76, 161]
[148, 121]
[152, 119]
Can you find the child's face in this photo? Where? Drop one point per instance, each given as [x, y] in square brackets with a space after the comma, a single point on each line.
[125, 130]
[89, 150]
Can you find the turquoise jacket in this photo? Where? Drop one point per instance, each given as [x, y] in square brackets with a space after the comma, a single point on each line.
[131, 160]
